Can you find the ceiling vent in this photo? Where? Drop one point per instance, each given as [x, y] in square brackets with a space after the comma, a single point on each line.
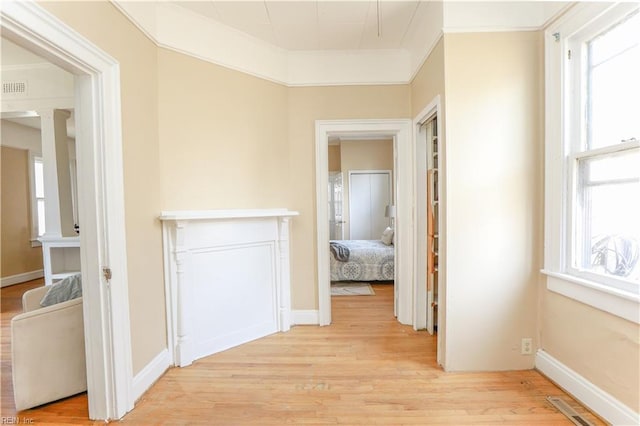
[14, 88]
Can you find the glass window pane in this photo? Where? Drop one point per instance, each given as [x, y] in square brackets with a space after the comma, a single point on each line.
[625, 165]
[613, 85]
[39, 176]
[609, 224]
[41, 227]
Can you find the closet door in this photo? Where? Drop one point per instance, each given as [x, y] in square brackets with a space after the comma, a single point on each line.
[369, 194]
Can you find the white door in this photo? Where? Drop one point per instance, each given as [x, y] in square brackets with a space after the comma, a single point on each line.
[369, 194]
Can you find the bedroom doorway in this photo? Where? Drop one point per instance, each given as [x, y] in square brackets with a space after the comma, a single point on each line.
[399, 131]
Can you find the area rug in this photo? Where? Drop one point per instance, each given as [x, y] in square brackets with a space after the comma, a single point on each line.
[351, 289]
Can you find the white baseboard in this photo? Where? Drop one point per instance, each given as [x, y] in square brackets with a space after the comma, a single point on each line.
[150, 374]
[594, 398]
[305, 317]
[21, 278]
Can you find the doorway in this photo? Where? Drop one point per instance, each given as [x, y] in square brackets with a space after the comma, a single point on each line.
[100, 199]
[400, 132]
[430, 248]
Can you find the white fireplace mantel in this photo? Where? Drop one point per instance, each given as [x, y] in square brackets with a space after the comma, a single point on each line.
[227, 278]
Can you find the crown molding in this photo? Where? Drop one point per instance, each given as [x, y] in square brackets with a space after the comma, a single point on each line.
[181, 30]
[174, 28]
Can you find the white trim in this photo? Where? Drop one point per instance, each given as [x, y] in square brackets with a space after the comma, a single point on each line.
[491, 29]
[305, 317]
[401, 130]
[594, 398]
[150, 373]
[21, 278]
[175, 28]
[225, 214]
[608, 299]
[420, 212]
[101, 196]
[433, 109]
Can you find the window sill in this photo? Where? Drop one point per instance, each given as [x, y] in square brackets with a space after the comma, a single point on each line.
[619, 303]
[35, 243]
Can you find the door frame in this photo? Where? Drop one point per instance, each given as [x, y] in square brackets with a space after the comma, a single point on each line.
[100, 195]
[401, 131]
[432, 110]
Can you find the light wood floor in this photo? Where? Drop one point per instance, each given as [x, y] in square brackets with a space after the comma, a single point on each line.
[363, 369]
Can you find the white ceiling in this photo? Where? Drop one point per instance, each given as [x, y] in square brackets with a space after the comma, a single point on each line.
[314, 24]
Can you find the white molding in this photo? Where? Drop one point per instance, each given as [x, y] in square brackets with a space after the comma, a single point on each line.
[150, 374]
[600, 402]
[615, 302]
[420, 213]
[401, 130]
[433, 109]
[179, 29]
[225, 214]
[305, 317]
[21, 278]
[103, 240]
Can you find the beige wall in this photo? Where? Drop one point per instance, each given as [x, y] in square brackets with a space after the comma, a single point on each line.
[17, 255]
[429, 80]
[601, 347]
[223, 137]
[106, 27]
[306, 105]
[335, 163]
[493, 197]
[363, 155]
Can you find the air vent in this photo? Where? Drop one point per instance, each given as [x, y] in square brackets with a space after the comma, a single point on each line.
[568, 411]
[14, 88]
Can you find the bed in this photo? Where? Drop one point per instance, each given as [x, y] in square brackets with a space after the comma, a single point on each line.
[367, 260]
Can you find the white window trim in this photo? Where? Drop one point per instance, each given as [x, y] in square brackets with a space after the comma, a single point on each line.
[560, 279]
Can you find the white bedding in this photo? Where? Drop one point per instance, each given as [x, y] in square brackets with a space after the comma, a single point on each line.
[369, 260]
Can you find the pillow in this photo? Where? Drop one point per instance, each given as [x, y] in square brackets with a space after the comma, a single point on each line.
[387, 236]
[67, 289]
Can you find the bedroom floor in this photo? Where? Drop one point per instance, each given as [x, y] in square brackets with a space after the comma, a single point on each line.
[365, 368]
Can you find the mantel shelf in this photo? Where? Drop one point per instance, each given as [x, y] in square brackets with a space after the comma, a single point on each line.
[225, 214]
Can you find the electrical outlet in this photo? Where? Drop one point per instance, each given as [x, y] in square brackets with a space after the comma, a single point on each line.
[526, 346]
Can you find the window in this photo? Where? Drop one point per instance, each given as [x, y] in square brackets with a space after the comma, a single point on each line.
[604, 153]
[592, 159]
[37, 198]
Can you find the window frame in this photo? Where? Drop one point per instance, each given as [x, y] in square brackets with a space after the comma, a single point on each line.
[35, 237]
[564, 89]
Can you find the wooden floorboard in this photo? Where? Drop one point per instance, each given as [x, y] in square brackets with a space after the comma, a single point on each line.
[365, 369]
